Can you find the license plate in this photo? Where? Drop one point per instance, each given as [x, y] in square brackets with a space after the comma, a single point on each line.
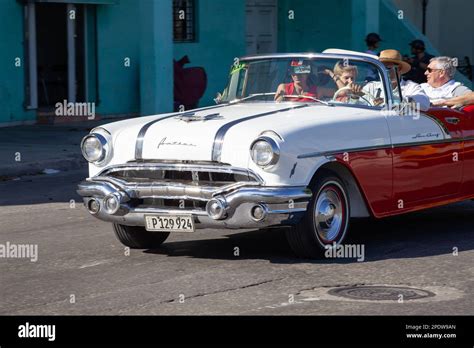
[169, 223]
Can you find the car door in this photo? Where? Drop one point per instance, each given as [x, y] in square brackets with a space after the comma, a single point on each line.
[427, 158]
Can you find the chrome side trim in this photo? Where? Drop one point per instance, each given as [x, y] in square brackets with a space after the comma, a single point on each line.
[219, 138]
[379, 147]
[335, 152]
[432, 142]
[144, 129]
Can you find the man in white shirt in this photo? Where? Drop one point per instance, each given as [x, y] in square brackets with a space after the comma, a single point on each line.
[441, 85]
[411, 91]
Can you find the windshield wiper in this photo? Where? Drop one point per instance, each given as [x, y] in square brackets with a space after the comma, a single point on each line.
[251, 96]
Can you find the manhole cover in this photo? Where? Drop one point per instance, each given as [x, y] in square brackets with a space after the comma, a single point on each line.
[380, 293]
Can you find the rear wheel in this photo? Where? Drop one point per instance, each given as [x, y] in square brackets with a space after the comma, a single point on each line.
[326, 221]
[137, 237]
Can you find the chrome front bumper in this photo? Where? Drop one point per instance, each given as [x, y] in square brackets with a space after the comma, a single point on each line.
[282, 206]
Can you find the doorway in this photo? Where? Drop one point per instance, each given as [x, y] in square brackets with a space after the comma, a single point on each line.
[58, 51]
[261, 27]
[51, 43]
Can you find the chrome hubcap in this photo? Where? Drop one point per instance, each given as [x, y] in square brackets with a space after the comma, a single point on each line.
[329, 214]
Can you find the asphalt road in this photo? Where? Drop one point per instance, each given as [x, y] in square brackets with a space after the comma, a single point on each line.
[83, 269]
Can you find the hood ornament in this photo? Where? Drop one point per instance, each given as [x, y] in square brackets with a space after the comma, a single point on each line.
[191, 116]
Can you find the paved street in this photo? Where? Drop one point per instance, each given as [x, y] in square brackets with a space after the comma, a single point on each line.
[27, 150]
[83, 269]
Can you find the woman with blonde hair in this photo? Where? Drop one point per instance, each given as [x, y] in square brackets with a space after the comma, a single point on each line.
[345, 75]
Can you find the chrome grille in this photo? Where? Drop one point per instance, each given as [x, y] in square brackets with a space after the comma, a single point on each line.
[183, 177]
[193, 175]
[178, 204]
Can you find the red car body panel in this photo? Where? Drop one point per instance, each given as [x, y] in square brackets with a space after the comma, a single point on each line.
[409, 178]
[468, 134]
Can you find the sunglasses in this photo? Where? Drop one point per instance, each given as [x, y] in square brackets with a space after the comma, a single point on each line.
[431, 70]
[390, 66]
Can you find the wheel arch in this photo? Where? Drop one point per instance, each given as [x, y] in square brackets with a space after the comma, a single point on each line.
[357, 200]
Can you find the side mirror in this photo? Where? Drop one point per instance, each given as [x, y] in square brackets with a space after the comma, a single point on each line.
[218, 98]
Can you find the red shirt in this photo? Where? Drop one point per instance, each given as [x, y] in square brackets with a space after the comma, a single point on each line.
[290, 90]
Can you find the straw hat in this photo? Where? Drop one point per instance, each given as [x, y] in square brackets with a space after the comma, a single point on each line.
[393, 56]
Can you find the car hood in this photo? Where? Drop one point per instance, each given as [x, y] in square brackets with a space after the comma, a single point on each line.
[222, 133]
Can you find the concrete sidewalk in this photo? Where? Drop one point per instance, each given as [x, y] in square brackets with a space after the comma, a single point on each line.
[26, 150]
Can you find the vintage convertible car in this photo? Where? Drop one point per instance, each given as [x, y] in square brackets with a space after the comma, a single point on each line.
[257, 160]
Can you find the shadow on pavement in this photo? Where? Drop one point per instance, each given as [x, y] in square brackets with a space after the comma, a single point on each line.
[42, 188]
[429, 233]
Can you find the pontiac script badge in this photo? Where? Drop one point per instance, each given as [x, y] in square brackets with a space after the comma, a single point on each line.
[163, 142]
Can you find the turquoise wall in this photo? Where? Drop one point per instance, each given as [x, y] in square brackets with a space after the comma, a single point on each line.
[394, 31]
[221, 38]
[12, 94]
[398, 32]
[143, 33]
[318, 24]
[359, 17]
[118, 30]
[156, 68]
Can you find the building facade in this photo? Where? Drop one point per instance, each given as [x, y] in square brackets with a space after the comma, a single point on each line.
[448, 24]
[118, 54]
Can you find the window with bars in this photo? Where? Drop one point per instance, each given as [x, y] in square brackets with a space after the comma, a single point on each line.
[184, 24]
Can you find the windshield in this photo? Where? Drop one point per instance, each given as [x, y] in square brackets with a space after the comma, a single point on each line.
[323, 80]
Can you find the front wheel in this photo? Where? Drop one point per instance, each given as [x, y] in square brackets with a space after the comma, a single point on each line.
[326, 221]
[137, 237]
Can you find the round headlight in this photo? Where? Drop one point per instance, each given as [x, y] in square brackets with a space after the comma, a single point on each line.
[265, 151]
[95, 148]
[92, 149]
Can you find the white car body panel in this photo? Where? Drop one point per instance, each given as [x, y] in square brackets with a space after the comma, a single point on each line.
[308, 130]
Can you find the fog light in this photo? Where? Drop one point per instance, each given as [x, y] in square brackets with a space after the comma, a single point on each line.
[111, 203]
[93, 206]
[258, 212]
[216, 208]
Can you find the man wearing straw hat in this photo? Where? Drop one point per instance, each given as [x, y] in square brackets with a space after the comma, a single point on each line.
[411, 91]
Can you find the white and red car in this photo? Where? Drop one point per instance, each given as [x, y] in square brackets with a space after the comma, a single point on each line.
[250, 162]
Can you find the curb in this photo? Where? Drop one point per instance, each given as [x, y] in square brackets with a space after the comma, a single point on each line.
[30, 168]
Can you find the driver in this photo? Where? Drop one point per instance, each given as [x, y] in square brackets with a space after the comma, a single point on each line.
[344, 76]
[302, 85]
[410, 90]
